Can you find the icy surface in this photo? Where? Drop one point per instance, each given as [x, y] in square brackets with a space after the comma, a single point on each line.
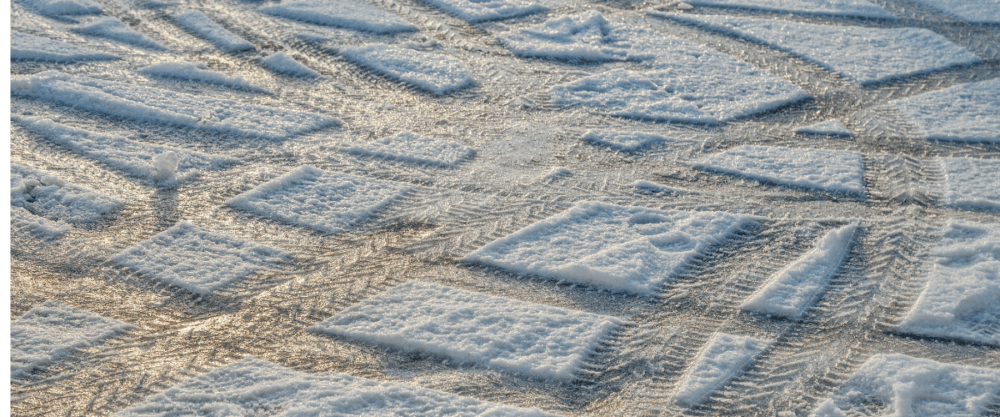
[475, 11]
[38, 226]
[620, 248]
[865, 55]
[112, 28]
[48, 196]
[34, 48]
[971, 183]
[829, 128]
[532, 339]
[857, 8]
[201, 25]
[435, 73]
[51, 331]
[326, 201]
[724, 358]
[153, 105]
[795, 288]
[976, 11]
[623, 141]
[966, 113]
[821, 169]
[916, 387]
[584, 37]
[414, 148]
[64, 7]
[962, 297]
[348, 14]
[196, 71]
[280, 62]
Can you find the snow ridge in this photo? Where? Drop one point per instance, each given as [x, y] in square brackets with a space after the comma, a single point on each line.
[201, 25]
[48, 196]
[33, 48]
[974, 11]
[723, 358]
[476, 11]
[112, 28]
[828, 128]
[971, 183]
[414, 148]
[38, 226]
[435, 73]
[347, 14]
[51, 331]
[821, 169]
[585, 37]
[623, 141]
[855, 8]
[282, 63]
[64, 7]
[197, 71]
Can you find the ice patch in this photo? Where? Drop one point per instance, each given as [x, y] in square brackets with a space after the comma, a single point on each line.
[855, 8]
[38, 226]
[435, 73]
[33, 48]
[585, 37]
[201, 25]
[114, 29]
[971, 183]
[414, 148]
[64, 7]
[153, 105]
[966, 113]
[51, 331]
[724, 358]
[531, 339]
[475, 11]
[828, 128]
[797, 287]
[326, 201]
[281, 63]
[821, 169]
[197, 71]
[48, 196]
[975, 11]
[623, 141]
[620, 248]
[348, 14]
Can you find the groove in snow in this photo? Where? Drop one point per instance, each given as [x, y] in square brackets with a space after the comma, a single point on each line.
[855, 8]
[435, 73]
[414, 148]
[347, 14]
[281, 63]
[475, 11]
[971, 183]
[114, 29]
[201, 25]
[47, 196]
[51, 331]
[722, 359]
[821, 169]
[828, 128]
[33, 48]
[966, 113]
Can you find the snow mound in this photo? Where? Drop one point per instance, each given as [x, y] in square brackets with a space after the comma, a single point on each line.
[821, 169]
[197, 71]
[114, 29]
[414, 148]
[435, 73]
[326, 201]
[196, 259]
[966, 113]
[723, 358]
[828, 128]
[797, 286]
[38, 226]
[153, 105]
[962, 297]
[865, 55]
[33, 48]
[201, 25]
[348, 14]
[257, 387]
[652, 188]
[975, 11]
[556, 173]
[971, 183]
[532, 339]
[281, 63]
[915, 387]
[629, 249]
[48, 196]
[475, 11]
[51, 331]
[585, 37]
[64, 7]
[853, 8]
[623, 141]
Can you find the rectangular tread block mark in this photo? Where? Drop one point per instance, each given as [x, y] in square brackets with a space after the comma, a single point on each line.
[52, 330]
[722, 359]
[201, 25]
[50, 197]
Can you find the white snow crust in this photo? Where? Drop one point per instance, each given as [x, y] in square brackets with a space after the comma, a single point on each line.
[821, 169]
[971, 183]
[722, 359]
[629, 249]
[257, 387]
[48, 196]
[153, 105]
[865, 55]
[348, 14]
[435, 73]
[414, 148]
[197, 71]
[64, 7]
[475, 11]
[829, 128]
[532, 339]
[282, 63]
[556, 173]
[326, 201]
[33, 48]
[112, 28]
[966, 112]
[623, 141]
[855, 8]
[201, 25]
[796, 287]
[51, 331]
[584, 37]
[975, 11]
[38, 226]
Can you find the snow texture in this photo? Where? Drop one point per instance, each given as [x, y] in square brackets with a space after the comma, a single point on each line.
[196, 259]
[414, 148]
[257, 387]
[865, 55]
[281, 63]
[821, 169]
[435, 73]
[50, 197]
[971, 183]
[64, 7]
[531, 339]
[586, 37]
[962, 296]
[33, 48]
[197, 71]
[201, 25]
[916, 387]
[38, 226]
[629, 249]
[153, 105]
[975, 11]
[853, 8]
[475, 11]
[51, 331]
[797, 286]
[724, 358]
[966, 112]
[623, 141]
[114, 29]
[326, 201]
[348, 14]
[828, 128]
[556, 173]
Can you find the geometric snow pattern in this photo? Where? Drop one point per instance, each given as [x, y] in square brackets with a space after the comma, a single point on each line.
[475, 11]
[855, 8]
[584, 37]
[974, 11]
[47, 196]
[112, 28]
[971, 183]
[820, 169]
[623, 141]
[723, 358]
[434, 73]
[201, 25]
[34, 48]
[414, 148]
[963, 113]
[347, 14]
[51, 331]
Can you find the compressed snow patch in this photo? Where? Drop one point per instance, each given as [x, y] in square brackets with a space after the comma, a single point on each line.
[584, 37]
[280, 62]
[966, 112]
[434, 73]
[971, 183]
[821, 169]
[34, 48]
[38, 226]
[621, 248]
[518, 336]
[414, 148]
[201, 25]
[975, 11]
[197, 71]
[64, 7]
[797, 287]
[855, 8]
[326, 201]
[723, 358]
[828, 128]
[51, 331]
[45, 195]
[475, 11]
[623, 141]
[348, 14]
[112, 28]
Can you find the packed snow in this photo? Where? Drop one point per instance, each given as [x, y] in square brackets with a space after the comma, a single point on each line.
[975, 11]
[350, 14]
[413, 148]
[475, 11]
[910, 386]
[865, 55]
[201, 25]
[623, 141]
[853, 8]
[51, 331]
[326, 201]
[34, 48]
[282, 63]
[828, 128]
[556, 173]
[435, 73]
[964, 113]
[38, 226]
[531, 339]
[796, 287]
[114, 29]
[584, 37]
[820, 169]
[197, 71]
[962, 296]
[724, 358]
[153, 105]
[629, 249]
[971, 183]
[64, 7]
[46, 195]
